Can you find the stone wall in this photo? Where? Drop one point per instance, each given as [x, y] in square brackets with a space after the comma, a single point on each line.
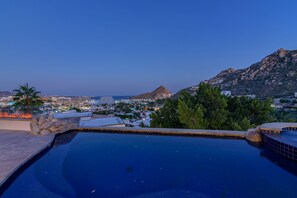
[47, 125]
[15, 124]
[254, 135]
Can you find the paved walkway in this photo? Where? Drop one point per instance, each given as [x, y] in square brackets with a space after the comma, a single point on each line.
[16, 148]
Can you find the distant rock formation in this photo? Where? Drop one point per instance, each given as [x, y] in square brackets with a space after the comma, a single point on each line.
[273, 76]
[5, 93]
[160, 93]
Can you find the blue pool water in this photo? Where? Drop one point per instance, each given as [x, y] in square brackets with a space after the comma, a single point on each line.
[290, 136]
[140, 166]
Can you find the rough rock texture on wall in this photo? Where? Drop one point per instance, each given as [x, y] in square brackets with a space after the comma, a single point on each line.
[47, 125]
[254, 135]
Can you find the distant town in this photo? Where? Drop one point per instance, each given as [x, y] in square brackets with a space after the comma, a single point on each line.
[132, 113]
[123, 111]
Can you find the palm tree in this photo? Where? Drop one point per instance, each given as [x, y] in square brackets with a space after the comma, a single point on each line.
[27, 99]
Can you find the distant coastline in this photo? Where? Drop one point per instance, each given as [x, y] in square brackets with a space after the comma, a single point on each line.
[114, 97]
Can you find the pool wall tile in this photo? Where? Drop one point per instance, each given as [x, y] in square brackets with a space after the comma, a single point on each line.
[281, 148]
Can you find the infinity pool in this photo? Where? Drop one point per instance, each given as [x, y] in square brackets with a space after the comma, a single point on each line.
[141, 166]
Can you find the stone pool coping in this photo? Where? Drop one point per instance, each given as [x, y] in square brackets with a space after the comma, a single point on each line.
[277, 127]
[28, 147]
[17, 149]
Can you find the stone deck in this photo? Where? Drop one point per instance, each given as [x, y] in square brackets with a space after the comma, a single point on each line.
[17, 148]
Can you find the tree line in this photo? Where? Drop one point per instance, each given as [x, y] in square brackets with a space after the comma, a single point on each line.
[209, 109]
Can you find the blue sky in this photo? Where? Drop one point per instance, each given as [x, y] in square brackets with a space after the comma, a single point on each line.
[126, 47]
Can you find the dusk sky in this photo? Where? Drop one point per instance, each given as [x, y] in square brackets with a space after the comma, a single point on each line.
[127, 47]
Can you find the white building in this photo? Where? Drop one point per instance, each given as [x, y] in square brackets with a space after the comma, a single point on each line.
[106, 100]
[226, 93]
[251, 96]
[73, 114]
[103, 122]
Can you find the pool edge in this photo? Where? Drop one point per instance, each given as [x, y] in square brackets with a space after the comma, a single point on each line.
[10, 178]
[14, 173]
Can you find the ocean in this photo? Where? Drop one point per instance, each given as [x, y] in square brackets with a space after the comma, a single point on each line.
[114, 97]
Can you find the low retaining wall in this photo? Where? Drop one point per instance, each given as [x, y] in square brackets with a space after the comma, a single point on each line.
[47, 125]
[15, 124]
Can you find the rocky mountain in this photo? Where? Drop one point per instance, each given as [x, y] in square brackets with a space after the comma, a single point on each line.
[160, 93]
[5, 93]
[275, 75]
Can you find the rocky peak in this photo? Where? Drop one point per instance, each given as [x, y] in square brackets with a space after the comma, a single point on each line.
[226, 72]
[161, 89]
[159, 93]
[221, 76]
[282, 52]
[275, 75]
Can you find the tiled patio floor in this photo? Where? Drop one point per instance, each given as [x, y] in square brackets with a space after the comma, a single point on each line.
[16, 148]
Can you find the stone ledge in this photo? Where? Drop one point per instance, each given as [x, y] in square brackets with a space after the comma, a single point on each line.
[15, 124]
[277, 127]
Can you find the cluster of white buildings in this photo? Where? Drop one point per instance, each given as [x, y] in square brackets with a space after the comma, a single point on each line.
[105, 111]
[229, 93]
[96, 112]
[87, 119]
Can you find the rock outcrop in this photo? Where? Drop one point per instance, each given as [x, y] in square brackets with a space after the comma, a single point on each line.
[273, 76]
[254, 135]
[47, 125]
[160, 93]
